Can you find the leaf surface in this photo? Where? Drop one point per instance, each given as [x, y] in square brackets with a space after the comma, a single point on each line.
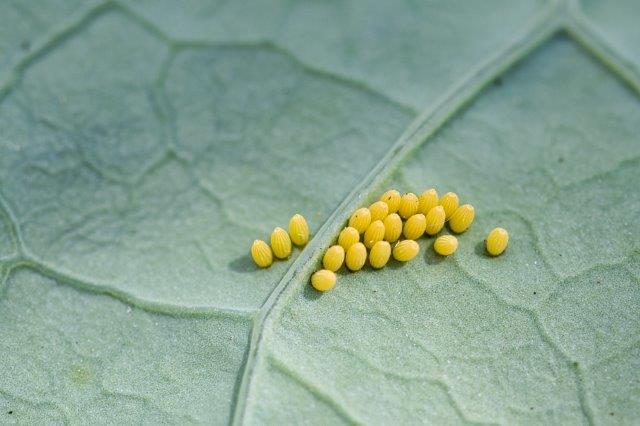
[537, 335]
[144, 145]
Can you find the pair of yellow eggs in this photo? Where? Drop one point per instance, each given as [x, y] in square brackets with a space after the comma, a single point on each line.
[281, 241]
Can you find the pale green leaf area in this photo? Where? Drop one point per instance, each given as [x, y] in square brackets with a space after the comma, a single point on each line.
[140, 162]
[617, 20]
[548, 333]
[151, 164]
[24, 24]
[145, 144]
[70, 356]
[412, 51]
[7, 243]
[157, 189]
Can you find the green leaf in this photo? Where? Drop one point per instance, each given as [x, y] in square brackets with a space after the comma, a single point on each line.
[143, 146]
[538, 335]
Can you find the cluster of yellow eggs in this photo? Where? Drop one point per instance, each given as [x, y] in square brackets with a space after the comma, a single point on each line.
[298, 234]
[394, 216]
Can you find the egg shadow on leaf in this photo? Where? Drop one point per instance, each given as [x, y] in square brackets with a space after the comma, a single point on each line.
[395, 264]
[480, 249]
[243, 264]
[432, 257]
[310, 293]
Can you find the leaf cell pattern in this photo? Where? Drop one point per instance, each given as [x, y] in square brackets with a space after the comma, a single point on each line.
[141, 144]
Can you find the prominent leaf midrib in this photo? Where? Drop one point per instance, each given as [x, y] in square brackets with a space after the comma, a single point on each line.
[543, 26]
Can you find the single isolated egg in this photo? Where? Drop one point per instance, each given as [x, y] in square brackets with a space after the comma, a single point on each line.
[497, 241]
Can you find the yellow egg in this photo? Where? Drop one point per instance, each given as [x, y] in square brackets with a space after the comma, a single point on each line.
[280, 243]
[427, 200]
[415, 226]
[408, 205]
[497, 241]
[445, 245]
[379, 254]
[392, 227]
[323, 280]
[392, 199]
[373, 234]
[333, 258]
[298, 230]
[261, 253]
[379, 210]
[348, 237]
[405, 250]
[360, 219]
[356, 257]
[435, 220]
[462, 218]
[449, 203]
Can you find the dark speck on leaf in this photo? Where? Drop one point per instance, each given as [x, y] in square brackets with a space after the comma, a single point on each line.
[561, 160]
[530, 408]
[535, 292]
[611, 413]
[575, 364]
[11, 412]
